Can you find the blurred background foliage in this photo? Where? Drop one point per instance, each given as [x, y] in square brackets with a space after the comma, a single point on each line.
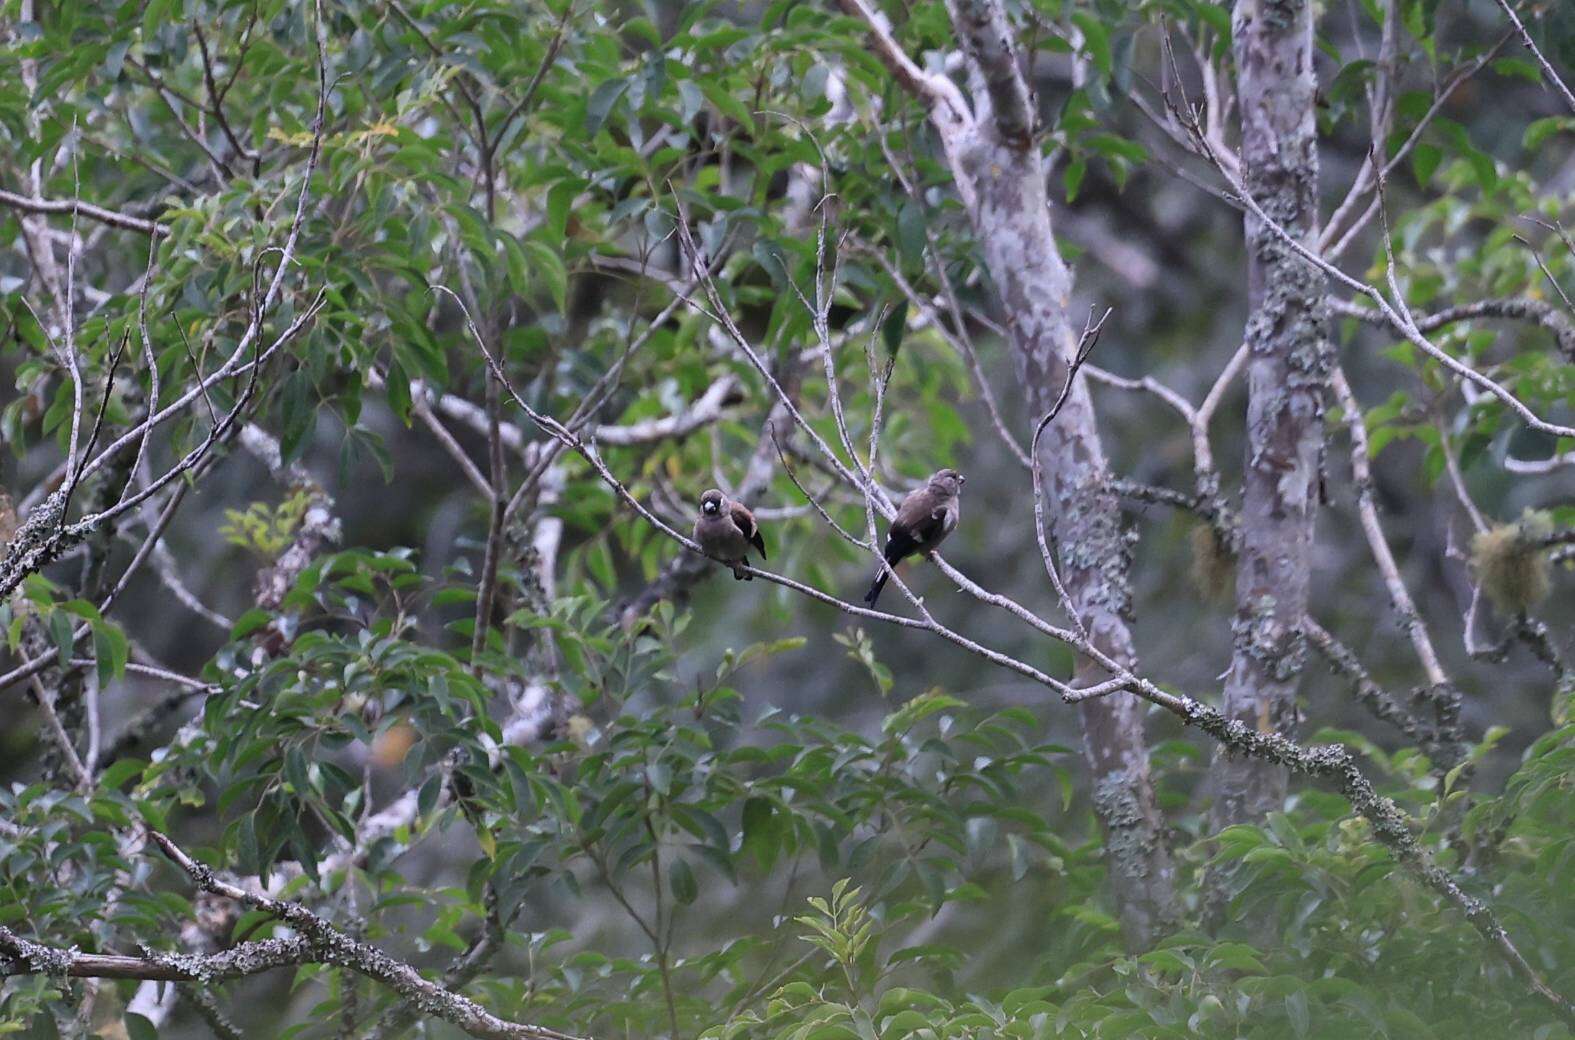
[759, 817]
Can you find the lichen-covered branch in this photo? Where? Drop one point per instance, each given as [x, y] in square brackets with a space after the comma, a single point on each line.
[331, 945]
[1379, 702]
[1510, 308]
[20, 956]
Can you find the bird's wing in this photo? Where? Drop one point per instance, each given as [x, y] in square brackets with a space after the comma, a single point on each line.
[915, 508]
[744, 520]
[922, 516]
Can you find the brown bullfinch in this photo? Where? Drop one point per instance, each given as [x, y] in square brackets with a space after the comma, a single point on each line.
[923, 521]
[726, 530]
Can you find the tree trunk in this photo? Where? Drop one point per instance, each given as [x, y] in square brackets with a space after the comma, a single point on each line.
[1094, 560]
[1288, 372]
[1002, 182]
[989, 142]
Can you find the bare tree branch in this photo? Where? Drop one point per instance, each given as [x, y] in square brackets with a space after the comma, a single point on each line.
[1554, 82]
[23, 957]
[76, 207]
[1511, 308]
[1449, 747]
[331, 945]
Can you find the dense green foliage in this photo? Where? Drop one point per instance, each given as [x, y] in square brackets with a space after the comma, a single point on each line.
[709, 844]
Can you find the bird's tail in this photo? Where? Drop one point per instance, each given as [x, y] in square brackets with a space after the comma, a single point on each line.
[875, 586]
[898, 545]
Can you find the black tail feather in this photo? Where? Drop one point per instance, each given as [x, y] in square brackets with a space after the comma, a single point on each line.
[875, 586]
[898, 545]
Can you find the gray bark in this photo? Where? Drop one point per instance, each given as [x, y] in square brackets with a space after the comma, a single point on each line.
[1288, 372]
[1000, 177]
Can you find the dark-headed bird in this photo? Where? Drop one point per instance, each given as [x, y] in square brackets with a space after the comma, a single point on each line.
[923, 521]
[726, 530]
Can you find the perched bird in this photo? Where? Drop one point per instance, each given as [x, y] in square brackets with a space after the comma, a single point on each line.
[726, 530]
[924, 519]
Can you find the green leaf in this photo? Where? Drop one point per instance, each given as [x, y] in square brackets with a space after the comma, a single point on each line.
[770, 258]
[297, 417]
[682, 881]
[893, 328]
[427, 797]
[1217, 17]
[560, 200]
[1296, 1011]
[249, 622]
[1072, 177]
[1520, 67]
[397, 387]
[549, 267]
[118, 772]
[139, 1028]
[1540, 130]
[601, 103]
[919, 709]
[760, 832]
[1096, 39]
[813, 87]
[1424, 160]
[112, 650]
[643, 28]
[61, 630]
[248, 854]
[82, 609]
[726, 103]
[295, 771]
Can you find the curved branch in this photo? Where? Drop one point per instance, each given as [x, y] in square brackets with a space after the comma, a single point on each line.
[1509, 308]
[938, 92]
[330, 945]
[76, 207]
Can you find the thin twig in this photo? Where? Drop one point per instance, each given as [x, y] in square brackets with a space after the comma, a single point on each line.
[1547, 68]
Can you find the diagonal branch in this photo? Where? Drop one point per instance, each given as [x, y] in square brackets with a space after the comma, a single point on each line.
[988, 40]
[1547, 69]
[20, 956]
[331, 945]
[1448, 749]
[1509, 308]
[940, 93]
[1395, 311]
[76, 207]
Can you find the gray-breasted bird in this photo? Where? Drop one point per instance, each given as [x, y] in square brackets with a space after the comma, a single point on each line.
[726, 530]
[924, 519]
